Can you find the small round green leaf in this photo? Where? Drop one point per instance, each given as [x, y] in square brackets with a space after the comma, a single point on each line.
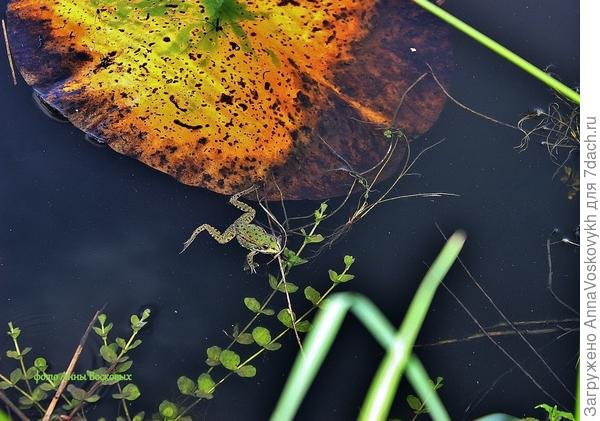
[317, 238]
[312, 295]
[135, 344]
[76, 392]
[30, 373]
[13, 354]
[273, 346]
[244, 339]
[92, 399]
[108, 354]
[285, 318]
[16, 375]
[229, 359]
[348, 261]
[46, 387]
[186, 385]
[246, 371]
[273, 282]
[41, 364]
[261, 335]
[290, 287]
[252, 304]
[167, 409]
[122, 343]
[131, 392]
[303, 326]
[344, 277]
[213, 352]
[414, 402]
[206, 384]
[123, 367]
[38, 395]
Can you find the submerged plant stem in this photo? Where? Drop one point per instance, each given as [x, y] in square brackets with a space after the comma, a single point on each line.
[24, 393]
[499, 49]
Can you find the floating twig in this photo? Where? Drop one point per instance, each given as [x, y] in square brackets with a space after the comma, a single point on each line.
[13, 407]
[8, 53]
[65, 379]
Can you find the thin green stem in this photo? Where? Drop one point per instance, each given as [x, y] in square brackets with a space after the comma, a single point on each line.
[271, 295]
[500, 50]
[24, 393]
[261, 350]
[110, 370]
[22, 363]
[55, 385]
[123, 402]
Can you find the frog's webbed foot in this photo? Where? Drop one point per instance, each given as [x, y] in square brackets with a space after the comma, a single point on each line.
[223, 238]
[250, 264]
[190, 240]
[252, 268]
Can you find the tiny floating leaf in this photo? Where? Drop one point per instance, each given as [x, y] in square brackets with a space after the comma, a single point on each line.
[229, 359]
[261, 335]
[246, 371]
[312, 295]
[206, 384]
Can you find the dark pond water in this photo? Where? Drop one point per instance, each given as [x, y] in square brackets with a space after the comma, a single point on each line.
[81, 226]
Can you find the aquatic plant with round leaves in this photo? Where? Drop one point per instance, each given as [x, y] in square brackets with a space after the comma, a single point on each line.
[225, 94]
[267, 326]
[38, 388]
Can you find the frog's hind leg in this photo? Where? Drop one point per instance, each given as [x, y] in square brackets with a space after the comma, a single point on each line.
[221, 238]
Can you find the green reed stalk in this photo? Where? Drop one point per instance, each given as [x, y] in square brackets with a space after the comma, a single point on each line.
[499, 49]
[399, 358]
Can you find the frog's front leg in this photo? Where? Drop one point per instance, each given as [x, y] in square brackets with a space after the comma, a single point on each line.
[221, 238]
[250, 261]
[250, 212]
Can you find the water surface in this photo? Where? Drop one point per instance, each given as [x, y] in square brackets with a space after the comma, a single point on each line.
[82, 226]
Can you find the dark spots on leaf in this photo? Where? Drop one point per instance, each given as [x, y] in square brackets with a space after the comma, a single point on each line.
[226, 99]
[81, 56]
[174, 102]
[105, 62]
[187, 126]
[303, 99]
[286, 2]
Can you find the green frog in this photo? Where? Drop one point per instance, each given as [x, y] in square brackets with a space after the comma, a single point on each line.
[250, 236]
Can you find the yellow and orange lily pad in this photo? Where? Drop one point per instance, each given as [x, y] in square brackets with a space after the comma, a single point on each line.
[224, 94]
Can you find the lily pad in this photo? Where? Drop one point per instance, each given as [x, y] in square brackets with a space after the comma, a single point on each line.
[224, 94]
